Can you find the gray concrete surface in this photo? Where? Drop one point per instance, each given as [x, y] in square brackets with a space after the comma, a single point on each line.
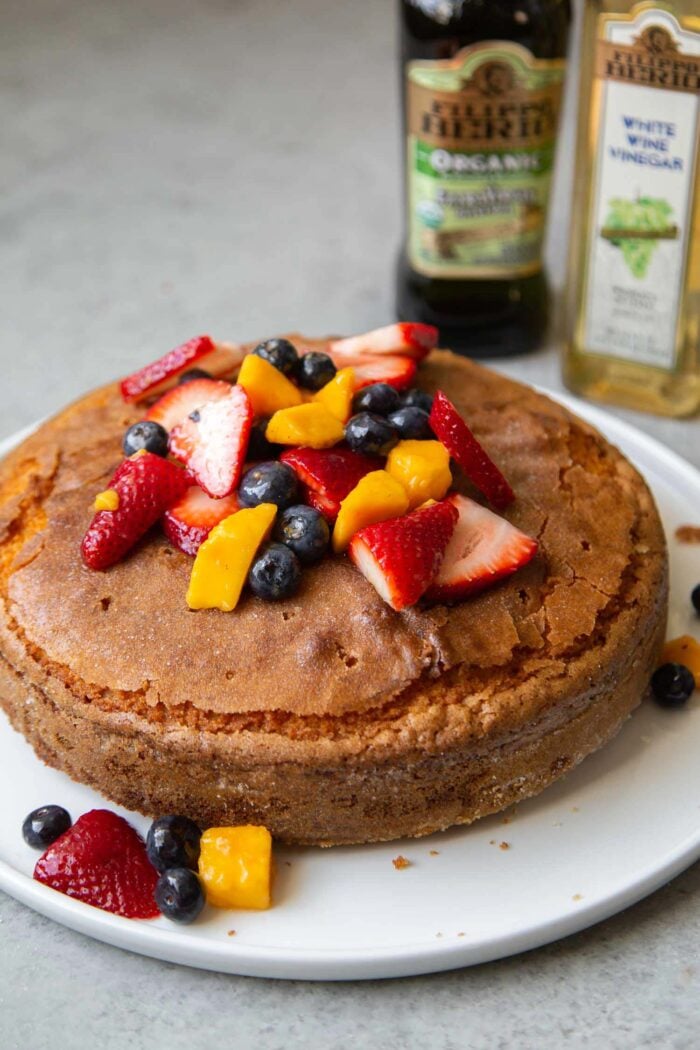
[170, 167]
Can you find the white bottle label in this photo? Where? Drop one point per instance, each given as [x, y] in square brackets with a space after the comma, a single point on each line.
[647, 160]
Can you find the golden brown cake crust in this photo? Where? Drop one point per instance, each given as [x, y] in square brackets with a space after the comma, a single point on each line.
[329, 717]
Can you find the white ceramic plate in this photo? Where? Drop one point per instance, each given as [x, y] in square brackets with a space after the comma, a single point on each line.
[619, 826]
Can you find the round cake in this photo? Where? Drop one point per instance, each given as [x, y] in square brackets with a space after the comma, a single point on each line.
[329, 717]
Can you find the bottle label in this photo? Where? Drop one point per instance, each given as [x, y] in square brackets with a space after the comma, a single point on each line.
[481, 133]
[647, 69]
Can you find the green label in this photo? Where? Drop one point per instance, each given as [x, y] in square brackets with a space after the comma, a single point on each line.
[481, 130]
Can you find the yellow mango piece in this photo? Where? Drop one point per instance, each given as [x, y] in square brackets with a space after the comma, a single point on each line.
[235, 866]
[684, 650]
[311, 425]
[337, 395]
[107, 500]
[376, 497]
[222, 562]
[266, 387]
[423, 468]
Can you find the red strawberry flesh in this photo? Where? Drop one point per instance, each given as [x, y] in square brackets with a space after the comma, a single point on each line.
[176, 405]
[397, 370]
[168, 366]
[449, 428]
[329, 475]
[101, 860]
[213, 442]
[146, 486]
[407, 337]
[484, 548]
[401, 557]
[189, 521]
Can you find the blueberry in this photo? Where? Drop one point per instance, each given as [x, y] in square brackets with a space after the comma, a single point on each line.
[173, 842]
[315, 370]
[146, 434]
[417, 399]
[371, 434]
[258, 445]
[280, 354]
[304, 531]
[275, 573]
[269, 482]
[379, 398]
[193, 373]
[44, 825]
[695, 597]
[672, 684]
[179, 895]
[411, 423]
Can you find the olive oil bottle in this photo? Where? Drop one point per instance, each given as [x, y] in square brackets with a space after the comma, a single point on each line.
[634, 273]
[481, 83]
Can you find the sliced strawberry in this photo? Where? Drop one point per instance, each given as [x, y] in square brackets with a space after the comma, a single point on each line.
[146, 485]
[329, 474]
[400, 557]
[484, 548]
[101, 860]
[449, 427]
[409, 338]
[397, 370]
[189, 521]
[213, 440]
[217, 358]
[175, 406]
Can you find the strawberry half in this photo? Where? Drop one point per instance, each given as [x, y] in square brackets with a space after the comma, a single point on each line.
[397, 370]
[328, 475]
[401, 557]
[189, 521]
[484, 548]
[449, 427]
[101, 860]
[213, 441]
[217, 358]
[175, 406]
[146, 486]
[407, 337]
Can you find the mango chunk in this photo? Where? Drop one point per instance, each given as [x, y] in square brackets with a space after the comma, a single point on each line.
[423, 468]
[235, 866]
[311, 425]
[223, 560]
[376, 497]
[266, 387]
[107, 500]
[684, 650]
[337, 395]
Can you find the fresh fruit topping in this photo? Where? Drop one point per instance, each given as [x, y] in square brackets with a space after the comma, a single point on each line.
[417, 399]
[305, 531]
[416, 340]
[258, 445]
[235, 866]
[146, 486]
[672, 685]
[44, 825]
[695, 598]
[380, 399]
[449, 427]
[180, 402]
[189, 521]
[213, 441]
[268, 389]
[224, 559]
[315, 370]
[376, 497]
[220, 359]
[173, 842]
[411, 422]
[280, 353]
[328, 475]
[107, 500]
[102, 861]
[484, 548]
[336, 395]
[398, 371]
[194, 373]
[400, 557]
[148, 435]
[369, 434]
[422, 467]
[684, 650]
[312, 425]
[179, 895]
[270, 482]
[275, 573]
